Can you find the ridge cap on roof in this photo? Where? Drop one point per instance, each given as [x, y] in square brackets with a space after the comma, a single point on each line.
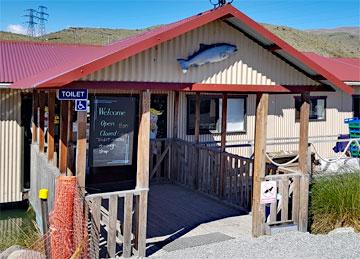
[65, 44]
[162, 26]
[115, 52]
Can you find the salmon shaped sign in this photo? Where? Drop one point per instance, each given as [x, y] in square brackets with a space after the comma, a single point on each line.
[207, 54]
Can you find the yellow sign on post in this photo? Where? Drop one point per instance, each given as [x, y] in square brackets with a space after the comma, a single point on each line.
[43, 194]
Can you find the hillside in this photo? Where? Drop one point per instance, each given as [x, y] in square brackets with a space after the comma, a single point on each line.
[338, 42]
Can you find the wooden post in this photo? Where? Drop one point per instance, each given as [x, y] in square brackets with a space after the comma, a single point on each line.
[70, 140]
[176, 115]
[258, 213]
[63, 136]
[35, 123]
[223, 144]
[51, 126]
[197, 118]
[224, 121]
[42, 122]
[303, 161]
[81, 148]
[197, 140]
[142, 179]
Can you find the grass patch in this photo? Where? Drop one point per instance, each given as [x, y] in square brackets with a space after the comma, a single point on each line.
[18, 228]
[335, 202]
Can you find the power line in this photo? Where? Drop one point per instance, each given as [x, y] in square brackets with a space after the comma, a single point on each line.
[36, 17]
[31, 15]
[42, 17]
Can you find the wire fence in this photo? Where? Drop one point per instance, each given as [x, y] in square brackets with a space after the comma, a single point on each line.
[68, 232]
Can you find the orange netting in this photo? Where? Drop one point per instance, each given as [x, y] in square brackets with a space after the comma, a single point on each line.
[68, 233]
[61, 219]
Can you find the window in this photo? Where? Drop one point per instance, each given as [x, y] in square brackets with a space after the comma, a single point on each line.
[210, 114]
[317, 108]
[356, 106]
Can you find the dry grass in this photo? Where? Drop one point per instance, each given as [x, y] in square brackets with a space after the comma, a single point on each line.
[335, 202]
[21, 231]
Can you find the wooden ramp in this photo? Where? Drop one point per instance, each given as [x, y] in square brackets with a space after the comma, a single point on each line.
[176, 213]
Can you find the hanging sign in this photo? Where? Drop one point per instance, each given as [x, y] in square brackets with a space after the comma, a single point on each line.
[112, 131]
[268, 192]
[72, 94]
[81, 105]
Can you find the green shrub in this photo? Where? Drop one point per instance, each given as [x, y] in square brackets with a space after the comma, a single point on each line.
[335, 202]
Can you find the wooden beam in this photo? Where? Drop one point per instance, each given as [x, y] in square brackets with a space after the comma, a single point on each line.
[142, 177]
[200, 87]
[223, 143]
[142, 180]
[224, 121]
[176, 114]
[81, 148]
[35, 122]
[64, 110]
[303, 161]
[258, 212]
[71, 167]
[42, 103]
[51, 125]
[197, 117]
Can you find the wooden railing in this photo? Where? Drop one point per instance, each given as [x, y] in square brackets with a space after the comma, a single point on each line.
[206, 169]
[286, 208]
[111, 216]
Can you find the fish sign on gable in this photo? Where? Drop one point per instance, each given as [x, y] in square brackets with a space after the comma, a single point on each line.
[207, 54]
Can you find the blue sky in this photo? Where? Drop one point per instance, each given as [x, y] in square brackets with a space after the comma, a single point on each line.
[302, 14]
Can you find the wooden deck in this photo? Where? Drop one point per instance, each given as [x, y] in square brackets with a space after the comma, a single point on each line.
[176, 212]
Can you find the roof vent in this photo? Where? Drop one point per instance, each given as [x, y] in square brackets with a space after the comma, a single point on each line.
[219, 3]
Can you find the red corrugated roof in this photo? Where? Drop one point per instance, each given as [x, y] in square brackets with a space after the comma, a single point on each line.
[22, 59]
[351, 61]
[346, 69]
[80, 66]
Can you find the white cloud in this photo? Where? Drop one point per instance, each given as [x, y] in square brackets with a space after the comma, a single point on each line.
[16, 28]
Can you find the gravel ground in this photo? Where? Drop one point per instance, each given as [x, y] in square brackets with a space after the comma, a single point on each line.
[340, 244]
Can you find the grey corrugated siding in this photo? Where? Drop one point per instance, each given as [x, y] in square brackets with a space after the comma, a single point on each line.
[11, 144]
[251, 64]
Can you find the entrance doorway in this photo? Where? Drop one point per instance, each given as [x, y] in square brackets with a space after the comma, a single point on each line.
[26, 113]
[356, 106]
[159, 109]
[114, 123]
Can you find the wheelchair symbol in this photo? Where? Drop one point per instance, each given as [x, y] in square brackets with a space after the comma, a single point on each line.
[80, 105]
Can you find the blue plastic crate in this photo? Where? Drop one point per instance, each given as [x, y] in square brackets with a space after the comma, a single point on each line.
[354, 130]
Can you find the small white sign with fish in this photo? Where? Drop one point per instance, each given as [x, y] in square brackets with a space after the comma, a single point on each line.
[268, 192]
[207, 54]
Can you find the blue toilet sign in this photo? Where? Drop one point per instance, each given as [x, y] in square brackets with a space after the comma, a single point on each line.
[72, 94]
[81, 105]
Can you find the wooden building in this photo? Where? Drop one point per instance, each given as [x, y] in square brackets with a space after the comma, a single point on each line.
[109, 147]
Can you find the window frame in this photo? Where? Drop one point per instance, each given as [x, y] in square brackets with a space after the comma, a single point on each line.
[355, 96]
[297, 119]
[209, 132]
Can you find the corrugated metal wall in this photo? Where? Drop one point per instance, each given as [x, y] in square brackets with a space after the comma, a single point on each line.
[282, 125]
[281, 122]
[11, 144]
[251, 64]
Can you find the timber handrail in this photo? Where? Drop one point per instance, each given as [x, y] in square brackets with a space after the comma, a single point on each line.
[209, 170]
[106, 195]
[119, 226]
